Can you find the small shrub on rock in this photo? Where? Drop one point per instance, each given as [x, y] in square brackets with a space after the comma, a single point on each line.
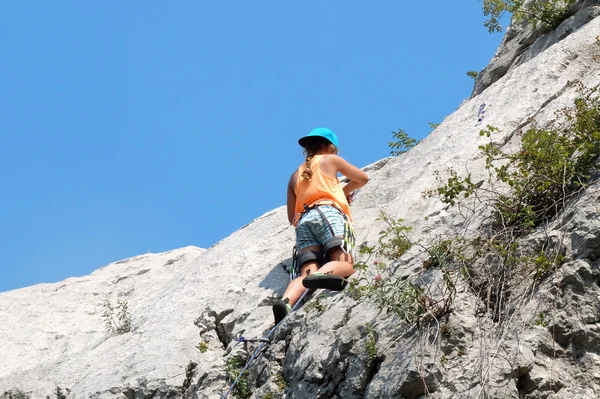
[233, 367]
[202, 346]
[280, 382]
[117, 319]
[15, 394]
[315, 306]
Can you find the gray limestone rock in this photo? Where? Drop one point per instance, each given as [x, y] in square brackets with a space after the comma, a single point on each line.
[188, 306]
[522, 42]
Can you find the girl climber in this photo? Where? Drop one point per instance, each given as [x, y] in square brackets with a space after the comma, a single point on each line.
[318, 205]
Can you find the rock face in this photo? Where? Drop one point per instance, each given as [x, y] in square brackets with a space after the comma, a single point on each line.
[53, 335]
[187, 306]
[523, 42]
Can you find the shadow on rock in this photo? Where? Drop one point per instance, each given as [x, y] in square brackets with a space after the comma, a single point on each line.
[278, 278]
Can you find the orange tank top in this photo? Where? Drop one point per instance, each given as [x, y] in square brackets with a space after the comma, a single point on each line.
[321, 188]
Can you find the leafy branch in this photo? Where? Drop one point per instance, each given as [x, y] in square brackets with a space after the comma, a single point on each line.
[403, 143]
[549, 13]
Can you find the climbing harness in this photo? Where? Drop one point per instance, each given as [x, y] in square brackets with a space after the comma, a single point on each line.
[263, 344]
[348, 239]
[295, 270]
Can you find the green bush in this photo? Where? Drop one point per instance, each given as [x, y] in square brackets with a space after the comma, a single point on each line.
[526, 189]
[453, 188]
[550, 13]
[553, 164]
[472, 74]
[393, 241]
[233, 367]
[401, 295]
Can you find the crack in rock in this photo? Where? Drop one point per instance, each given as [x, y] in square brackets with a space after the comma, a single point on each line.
[211, 320]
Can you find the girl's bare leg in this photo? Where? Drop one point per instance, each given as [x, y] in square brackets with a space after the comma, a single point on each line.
[341, 263]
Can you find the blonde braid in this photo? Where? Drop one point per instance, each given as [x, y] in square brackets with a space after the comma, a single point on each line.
[310, 150]
[307, 173]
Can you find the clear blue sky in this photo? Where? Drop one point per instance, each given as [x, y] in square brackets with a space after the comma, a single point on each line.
[129, 126]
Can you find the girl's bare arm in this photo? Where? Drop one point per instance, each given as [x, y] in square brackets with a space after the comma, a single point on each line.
[291, 198]
[357, 177]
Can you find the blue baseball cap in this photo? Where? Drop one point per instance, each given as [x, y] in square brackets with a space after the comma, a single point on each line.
[320, 132]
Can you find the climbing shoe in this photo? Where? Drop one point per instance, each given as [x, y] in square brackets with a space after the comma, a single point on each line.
[326, 281]
[281, 308]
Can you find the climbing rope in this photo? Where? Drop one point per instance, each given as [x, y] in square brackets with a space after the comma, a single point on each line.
[263, 343]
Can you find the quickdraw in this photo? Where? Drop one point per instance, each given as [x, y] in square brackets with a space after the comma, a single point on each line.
[481, 112]
[244, 340]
